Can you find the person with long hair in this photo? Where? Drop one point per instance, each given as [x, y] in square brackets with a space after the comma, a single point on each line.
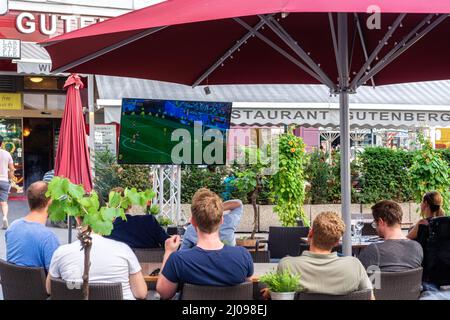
[430, 207]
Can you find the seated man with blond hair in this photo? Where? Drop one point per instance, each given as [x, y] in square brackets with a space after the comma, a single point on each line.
[323, 271]
[210, 262]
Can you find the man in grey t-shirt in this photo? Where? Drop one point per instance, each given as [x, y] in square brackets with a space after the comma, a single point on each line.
[396, 253]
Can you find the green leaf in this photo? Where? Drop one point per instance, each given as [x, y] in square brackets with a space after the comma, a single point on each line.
[56, 211]
[155, 209]
[57, 188]
[109, 214]
[133, 196]
[114, 199]
[75, 191]
[73, 210]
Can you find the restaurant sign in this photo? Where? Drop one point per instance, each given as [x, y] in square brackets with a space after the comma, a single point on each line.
[330, 117]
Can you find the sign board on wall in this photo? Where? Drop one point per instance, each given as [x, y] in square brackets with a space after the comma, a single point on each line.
[9, 49]
[105, 138]
[38, 26]
[3, 7]
[330, 117]
[10, 101]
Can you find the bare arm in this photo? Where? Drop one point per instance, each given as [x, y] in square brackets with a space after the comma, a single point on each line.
[138, 285]
[414, 231]
[231, 204]
[166, 288]
[11, 171]
[47, 284]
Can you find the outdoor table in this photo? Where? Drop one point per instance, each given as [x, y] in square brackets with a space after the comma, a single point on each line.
[357, 246]
[259, 270]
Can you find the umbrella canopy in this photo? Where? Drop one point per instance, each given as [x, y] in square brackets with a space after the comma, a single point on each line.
[178, 41]
[337, 43]
[72, 157]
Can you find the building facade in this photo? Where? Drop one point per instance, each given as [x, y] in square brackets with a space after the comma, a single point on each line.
[31, 97]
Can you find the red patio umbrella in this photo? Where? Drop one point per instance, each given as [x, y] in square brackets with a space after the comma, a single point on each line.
[72, 157]
[333, 42]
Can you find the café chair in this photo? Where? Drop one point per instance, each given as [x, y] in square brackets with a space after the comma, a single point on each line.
[404, 285]
[356, 295]
[284, 241]
[243, 291]
[260, 256]
[22, 283]
[149, 254]
[63, 290]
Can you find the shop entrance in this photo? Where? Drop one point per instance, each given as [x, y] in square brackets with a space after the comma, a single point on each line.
[40, 139]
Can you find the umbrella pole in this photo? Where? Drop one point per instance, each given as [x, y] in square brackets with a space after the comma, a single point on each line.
[344, 84]
[69, 230]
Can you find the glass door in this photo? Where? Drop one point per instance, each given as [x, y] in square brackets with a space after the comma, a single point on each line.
[11, 131]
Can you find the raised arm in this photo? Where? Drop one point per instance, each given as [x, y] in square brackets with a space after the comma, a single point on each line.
[231, 205]
[166, 288]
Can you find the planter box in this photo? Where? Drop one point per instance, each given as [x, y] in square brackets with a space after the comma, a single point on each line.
[269, 218]
[414, 212]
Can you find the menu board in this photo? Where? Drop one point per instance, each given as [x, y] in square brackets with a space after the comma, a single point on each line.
[105, 138]
[11, 131]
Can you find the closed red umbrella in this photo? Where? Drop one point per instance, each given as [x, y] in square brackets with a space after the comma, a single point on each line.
[207, 42]
[72, 157]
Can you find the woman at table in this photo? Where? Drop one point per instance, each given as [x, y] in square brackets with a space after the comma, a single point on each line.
[430, 207]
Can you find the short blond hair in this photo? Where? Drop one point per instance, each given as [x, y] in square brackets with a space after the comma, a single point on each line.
[328, 229]
[207, 210]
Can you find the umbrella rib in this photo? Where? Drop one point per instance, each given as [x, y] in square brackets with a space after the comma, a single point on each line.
[238, 44]
[363, 43]
[403, 46]
[279, 50]
[108, 49]
[288, 40]
[335, 46]
[378, 48]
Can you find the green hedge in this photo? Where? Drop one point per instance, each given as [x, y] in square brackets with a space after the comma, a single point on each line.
[379, 173]
[384, 175]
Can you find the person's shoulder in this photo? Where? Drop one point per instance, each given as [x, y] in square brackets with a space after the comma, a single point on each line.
[13, 226]
[373, 247]
[114, 245]
[65, 249]
[413, 244]
[349, 260]
[288, 261]
[235, 249]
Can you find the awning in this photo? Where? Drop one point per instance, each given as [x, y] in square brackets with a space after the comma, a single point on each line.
[34, 60]
[393, 106]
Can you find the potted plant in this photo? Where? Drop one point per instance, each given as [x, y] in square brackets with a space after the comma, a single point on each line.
[71, 199]
[283, 285]
[249, 180]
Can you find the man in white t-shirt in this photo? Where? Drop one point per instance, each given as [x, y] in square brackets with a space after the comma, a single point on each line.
[6, 173]
[111, 262]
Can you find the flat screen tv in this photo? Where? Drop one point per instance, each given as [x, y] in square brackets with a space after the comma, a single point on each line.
[173, 132]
